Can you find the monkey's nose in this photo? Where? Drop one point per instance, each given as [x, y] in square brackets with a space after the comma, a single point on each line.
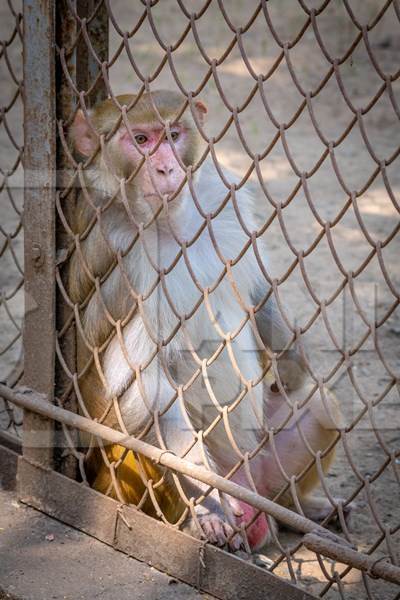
[165, 170]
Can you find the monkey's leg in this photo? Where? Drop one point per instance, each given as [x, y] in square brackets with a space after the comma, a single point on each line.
[317, 423]
[311, 429]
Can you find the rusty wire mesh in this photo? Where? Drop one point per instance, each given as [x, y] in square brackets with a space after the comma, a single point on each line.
[11, 206]
[336, 236]
[302, 101]
[303, 106]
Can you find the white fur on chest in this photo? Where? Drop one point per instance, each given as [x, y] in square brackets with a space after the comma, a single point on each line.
[188, 311]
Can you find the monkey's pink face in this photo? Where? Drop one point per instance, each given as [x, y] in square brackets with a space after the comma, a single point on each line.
[161, 173]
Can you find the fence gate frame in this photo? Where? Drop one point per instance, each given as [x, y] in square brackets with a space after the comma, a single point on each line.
[211, 570]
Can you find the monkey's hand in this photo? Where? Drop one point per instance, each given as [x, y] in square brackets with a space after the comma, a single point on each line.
[214, 527]
[218, 531]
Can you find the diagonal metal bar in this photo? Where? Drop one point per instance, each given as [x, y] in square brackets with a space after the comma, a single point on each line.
[31, 400]
[319, 539]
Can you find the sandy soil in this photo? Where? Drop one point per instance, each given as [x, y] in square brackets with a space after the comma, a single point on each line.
[376, 362]
[89, 569]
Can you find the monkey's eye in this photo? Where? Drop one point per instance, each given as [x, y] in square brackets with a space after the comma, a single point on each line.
[174, 135]
[140, 139]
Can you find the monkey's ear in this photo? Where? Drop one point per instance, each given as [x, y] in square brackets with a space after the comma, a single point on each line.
[202, 110]
[83, 137]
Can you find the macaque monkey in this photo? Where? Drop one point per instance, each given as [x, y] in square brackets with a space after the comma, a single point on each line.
[180, 342]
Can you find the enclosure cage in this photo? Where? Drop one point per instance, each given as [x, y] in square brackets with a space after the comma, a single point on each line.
[303, 111]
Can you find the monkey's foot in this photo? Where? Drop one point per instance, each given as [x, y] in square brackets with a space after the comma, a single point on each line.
[258, 533]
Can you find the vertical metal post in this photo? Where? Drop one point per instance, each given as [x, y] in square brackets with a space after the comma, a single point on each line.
[39, 219]
[48, 97]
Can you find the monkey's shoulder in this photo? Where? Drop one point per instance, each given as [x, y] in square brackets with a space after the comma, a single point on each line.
[235, 204]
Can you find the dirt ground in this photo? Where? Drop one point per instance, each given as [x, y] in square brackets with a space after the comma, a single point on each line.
[89, 569]
[376, 363]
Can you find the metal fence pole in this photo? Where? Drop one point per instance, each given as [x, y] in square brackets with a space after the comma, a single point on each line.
[39, 218]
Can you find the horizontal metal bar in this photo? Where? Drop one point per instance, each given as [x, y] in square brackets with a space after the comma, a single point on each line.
[327, 542]
[375, 567]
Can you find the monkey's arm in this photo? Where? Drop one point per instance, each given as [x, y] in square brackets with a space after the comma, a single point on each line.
[276, 335]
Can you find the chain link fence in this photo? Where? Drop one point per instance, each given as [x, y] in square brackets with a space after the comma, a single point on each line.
[302, 120]
[11, 206]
